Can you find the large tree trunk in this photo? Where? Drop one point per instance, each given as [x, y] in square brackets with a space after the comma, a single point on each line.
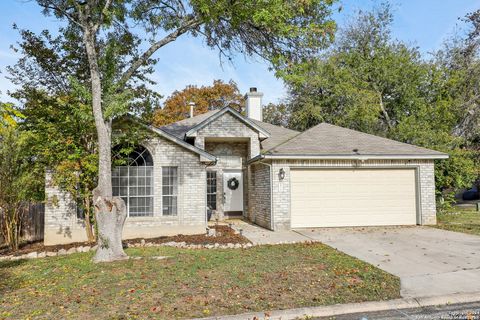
[110, 212]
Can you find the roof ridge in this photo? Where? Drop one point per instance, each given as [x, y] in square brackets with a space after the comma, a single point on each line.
[299, 133]
[333, 137]
[275, 125]
[295, 136]
[375, 136]
[189, 118]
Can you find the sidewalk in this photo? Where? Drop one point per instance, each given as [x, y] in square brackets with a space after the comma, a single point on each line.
[341, 309]
[258, 235]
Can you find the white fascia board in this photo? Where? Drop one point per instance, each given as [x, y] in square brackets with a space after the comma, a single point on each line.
[357, 157]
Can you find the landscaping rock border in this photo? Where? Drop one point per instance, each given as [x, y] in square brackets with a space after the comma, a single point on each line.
[141, 244]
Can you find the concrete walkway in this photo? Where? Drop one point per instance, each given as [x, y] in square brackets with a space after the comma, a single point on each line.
[428, 261]
[258, 235]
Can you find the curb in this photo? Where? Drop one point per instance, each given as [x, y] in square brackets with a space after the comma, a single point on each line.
[341, 309]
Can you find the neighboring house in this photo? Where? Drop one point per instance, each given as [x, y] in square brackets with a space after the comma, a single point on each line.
[221, 164]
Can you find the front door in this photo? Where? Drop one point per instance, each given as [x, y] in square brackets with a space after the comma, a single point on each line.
[232, 191]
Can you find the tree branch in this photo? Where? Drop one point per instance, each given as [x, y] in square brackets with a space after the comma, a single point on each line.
[384, 111]
[185, 27]
[63, 12]
[97, 25]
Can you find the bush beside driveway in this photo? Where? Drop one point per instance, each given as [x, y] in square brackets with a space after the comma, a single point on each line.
[164, 282]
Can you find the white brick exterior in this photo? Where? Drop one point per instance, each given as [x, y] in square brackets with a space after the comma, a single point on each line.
[266, 197]
[425, 184]
[61, 223]
[230, 155]
[233, 142]
[260, 195]
[62, 226]
[228, 127]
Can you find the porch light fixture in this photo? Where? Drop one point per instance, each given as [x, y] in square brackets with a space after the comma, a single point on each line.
[281, 174]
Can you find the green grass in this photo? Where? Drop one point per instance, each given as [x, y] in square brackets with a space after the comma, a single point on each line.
[460, 220]
[191, 283]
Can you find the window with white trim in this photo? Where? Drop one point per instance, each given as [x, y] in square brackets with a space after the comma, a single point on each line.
[212, 190]
[134, 182]
[169, 191]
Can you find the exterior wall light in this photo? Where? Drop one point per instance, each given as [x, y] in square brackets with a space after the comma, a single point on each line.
[281, 174]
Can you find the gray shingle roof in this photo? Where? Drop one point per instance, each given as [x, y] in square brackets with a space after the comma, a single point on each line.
[278, 134]
[181, 127]
[329, 140]
[322, 140]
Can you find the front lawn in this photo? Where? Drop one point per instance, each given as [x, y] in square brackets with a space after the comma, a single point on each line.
[467, 221]
[190, 283]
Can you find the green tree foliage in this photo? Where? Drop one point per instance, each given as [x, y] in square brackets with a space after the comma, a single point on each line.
[52, 75]
[63, 139]
[373, 83]
[19, 178]
[460, 60]
[111, 46]
[277, 114]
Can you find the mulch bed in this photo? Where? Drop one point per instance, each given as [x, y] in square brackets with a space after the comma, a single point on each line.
[224, 235]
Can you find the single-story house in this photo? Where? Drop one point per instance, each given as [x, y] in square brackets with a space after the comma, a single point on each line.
[222, 164]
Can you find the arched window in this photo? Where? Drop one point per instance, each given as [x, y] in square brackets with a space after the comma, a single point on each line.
[133, 182]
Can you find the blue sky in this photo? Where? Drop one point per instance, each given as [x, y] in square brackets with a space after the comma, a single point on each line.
[423, 23]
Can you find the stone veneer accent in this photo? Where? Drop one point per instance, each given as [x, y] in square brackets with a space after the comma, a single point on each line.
[62, 226]
[281, 189]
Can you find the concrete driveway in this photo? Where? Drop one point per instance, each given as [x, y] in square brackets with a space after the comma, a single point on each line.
[428, 261]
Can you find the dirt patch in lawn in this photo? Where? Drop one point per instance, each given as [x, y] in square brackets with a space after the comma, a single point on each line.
[224, 235]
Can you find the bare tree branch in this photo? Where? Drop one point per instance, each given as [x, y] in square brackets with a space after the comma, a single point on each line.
[185, 27]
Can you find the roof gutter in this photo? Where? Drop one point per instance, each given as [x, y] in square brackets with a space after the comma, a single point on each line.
[349, 157]
[256, 158]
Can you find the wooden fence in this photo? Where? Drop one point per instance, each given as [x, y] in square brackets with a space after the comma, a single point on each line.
[33, 222]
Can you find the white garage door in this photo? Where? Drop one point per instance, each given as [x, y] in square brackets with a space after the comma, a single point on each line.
[352, 197]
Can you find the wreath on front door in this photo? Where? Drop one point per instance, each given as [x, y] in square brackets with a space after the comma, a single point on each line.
[233, 183]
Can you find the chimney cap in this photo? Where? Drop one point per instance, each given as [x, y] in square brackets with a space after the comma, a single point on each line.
[253, 92]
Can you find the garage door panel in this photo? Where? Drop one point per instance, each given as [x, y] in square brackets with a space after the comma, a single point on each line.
[352, 197]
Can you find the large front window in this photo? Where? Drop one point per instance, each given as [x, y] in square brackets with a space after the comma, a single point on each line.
[133, 182]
